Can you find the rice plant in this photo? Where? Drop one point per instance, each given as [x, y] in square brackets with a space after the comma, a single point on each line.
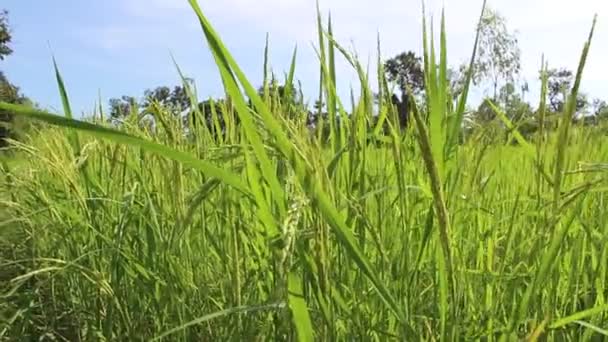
[254, 227]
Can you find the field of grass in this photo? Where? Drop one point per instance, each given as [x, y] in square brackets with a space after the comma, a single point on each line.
[269, 232]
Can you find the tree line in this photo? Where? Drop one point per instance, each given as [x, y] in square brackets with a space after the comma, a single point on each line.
[9, 127]
[497, 68]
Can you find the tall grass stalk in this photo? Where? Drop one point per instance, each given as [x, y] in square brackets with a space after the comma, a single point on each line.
[255, 227]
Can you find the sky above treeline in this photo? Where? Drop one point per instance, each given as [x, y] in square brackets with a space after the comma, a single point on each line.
[111, 48]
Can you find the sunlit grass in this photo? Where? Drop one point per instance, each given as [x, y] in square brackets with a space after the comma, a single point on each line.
[270, 232]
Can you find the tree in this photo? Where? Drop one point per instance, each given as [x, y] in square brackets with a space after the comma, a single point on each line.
[280, 91]
[207, 109]
[600, 109]
[559, 82]
[456, 80]
[406, 70]
[484, 113]
[402, 106]
[8, 92]
[518, 111]
[515, 107]
[175, 99]
[121, 107]
[499, 56]
[5, 35]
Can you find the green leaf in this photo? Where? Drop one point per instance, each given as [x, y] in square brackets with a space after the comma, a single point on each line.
[218, 314]
[289, 82]
[578, 316]
[67, 109]
[299, 310]
[306, 175]
[124, 138]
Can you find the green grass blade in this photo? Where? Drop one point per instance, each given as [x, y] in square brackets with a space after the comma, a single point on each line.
[456, 124]
[218, 314]
[196, 111]
[436, 107]
[439, 201]
[601, 331]
[266, 83]
[567, 117]
[578, 316]
[62, 91]
[331, 96]
[443, 87]
[123, 138]
[227, 66]
[299, 310]
[264, 213]
[528, 148]
[67, 109]
[290, 77]
[548, 259]
[314, 187]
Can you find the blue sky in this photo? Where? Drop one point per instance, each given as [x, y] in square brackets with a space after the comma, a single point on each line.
[117, 47]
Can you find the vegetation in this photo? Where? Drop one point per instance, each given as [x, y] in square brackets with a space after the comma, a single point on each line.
[139, 224]
[9, 127]
[5, 36]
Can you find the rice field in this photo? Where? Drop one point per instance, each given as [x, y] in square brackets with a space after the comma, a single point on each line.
[271, 231]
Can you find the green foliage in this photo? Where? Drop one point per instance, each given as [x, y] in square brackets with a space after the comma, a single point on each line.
[457, 79]
[272, 232]
[175, 100]
[600, 109]
[122, 107]
[5, 35]
[559, 81]
[9, 127]
[499, 53]
[9, 93]
[407, 71]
